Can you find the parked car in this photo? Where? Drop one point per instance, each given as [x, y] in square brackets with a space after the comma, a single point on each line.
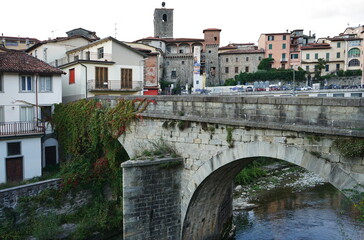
[259, 89]
[306, 88]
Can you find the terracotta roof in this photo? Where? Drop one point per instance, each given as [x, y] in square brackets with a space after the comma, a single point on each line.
[241, 52]
[175, 40]
[20, 62]
[212, 29]
[316, 46]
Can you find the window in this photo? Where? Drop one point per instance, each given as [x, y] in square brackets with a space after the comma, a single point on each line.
[236, 59]
[270, 56]
[316, 55]
[294, 56]
[307, 56]
[337, 67]
[164, 18]
[35, 53]
[247, 59]
[327, 68]
[100, 52]
[45, 113]
[284, 37]
[338, 44]
[354, 62]
[247, 69]
[173, 74]
[87, 55]
[226, 69]
[11, 43]
[338, 55]
[259, 58]
[283, 45]
[307, 68]
[354, 43]
[26, 83]
[354, 52]
[236, 69]
[26, 114]
[270, 38]
[75, 58]
[226, 60]
[2, 116]
[14, 148]
[45, 84]
[283, 57]
[327, 56]
[270, 46]
[101, 77]
[183, 62]
[127, 78]
[45, 54]
[71, 76]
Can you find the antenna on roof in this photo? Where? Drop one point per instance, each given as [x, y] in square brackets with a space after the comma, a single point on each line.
[115, 30]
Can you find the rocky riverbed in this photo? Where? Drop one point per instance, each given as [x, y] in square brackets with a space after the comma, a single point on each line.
[292, 178]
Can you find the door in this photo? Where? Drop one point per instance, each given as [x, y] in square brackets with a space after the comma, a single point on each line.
[50, 155]
[14, 169]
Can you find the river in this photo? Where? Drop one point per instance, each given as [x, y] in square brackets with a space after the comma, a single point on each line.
[297, 209]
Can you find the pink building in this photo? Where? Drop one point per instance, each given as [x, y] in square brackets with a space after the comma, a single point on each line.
[276, 46]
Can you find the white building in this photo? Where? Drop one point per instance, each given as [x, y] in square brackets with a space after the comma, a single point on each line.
[53, 51]
[104, 67]
[28, 89]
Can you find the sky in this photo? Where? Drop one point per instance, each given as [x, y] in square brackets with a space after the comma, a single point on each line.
[129, 20]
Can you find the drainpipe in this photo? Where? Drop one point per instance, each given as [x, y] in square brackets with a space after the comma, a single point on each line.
[85, 79]
[36, 96]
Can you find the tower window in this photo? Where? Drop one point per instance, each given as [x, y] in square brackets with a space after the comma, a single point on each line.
[164, 18]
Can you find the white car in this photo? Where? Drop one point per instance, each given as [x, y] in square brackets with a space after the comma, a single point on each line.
[306, 88]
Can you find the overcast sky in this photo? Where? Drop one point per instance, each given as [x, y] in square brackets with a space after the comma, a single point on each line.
[241, 21]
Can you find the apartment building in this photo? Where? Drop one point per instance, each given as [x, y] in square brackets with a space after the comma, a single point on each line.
[276, 46]
[28, 90]
[237, 58]
[17, 43]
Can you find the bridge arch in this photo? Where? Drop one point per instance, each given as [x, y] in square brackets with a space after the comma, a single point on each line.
[207, 198]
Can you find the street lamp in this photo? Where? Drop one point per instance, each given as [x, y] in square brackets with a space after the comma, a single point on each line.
[294, 82]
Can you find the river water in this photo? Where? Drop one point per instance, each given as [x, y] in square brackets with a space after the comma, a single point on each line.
[317, 212]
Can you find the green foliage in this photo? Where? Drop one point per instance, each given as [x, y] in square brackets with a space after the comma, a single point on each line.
[250, 173]
[321, 63]
[271, 75]
[348, 73]
[357, 196]
[265, 64]
[46, 227]
[170, 164]
[159, 148]
[229, 137]
[350, 148]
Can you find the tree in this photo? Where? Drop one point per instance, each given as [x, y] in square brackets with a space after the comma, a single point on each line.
[321, 63]
[265, 64]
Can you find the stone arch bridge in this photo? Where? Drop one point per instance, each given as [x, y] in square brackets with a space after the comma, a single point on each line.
[215, 138]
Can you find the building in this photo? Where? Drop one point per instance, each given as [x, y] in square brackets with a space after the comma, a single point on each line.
[28, 90]
[17, 43]
[84, 33]
[187, 62]
[152, 67]
[104, 67]
[285, 48]
[237, 58]
[53, 51]
[276, 46]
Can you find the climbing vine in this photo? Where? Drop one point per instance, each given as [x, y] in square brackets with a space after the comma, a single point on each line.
[350, 148]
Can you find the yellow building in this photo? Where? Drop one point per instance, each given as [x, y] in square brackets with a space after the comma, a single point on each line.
[17, 43]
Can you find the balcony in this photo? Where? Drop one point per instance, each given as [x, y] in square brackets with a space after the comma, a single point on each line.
[114, 85]
[21, 128]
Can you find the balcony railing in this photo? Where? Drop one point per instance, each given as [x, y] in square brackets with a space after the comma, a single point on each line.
[113, 85]
[21, 128]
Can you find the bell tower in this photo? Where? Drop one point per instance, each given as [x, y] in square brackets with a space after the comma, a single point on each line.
[163, 22]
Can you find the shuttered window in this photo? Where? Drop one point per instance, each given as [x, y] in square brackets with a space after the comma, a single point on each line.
[126, 78]
[101, 77]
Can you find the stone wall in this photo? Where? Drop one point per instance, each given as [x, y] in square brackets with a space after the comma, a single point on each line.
[151, 199]
[9, 197]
